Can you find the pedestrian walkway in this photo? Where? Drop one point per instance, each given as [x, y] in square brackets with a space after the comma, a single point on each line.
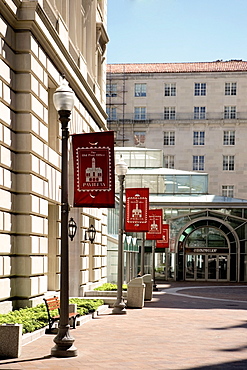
[185, 326]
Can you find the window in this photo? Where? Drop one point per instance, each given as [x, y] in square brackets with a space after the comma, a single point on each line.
[230, 112]
[199, 112]
[169, 138]
[169, 161]
[112, 113]
[111, 90]
[227, 191]
[169, 113]
[228, 162]
[200, 89]
[170, 89]
[198, 162]
[229, 138]
[139, 137]
[198, 138]
[230, 88]
[140, 113]
[140, 89]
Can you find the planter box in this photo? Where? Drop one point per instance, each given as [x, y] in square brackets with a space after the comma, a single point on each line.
[10, 340]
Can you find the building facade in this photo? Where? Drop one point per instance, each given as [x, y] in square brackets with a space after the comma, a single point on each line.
[195, 112]
[41, 41]
[208, 235]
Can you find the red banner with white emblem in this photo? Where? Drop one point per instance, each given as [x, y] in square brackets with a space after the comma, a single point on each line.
[137, 206]
[94, 181]
[155, 222]
[164, 242]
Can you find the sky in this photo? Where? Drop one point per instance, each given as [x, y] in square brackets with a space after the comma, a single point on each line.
[170, 31]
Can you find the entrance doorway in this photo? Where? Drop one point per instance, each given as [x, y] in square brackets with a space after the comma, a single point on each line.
[207, 267]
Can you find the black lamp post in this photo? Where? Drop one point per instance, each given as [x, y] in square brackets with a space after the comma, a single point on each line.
[90, 233]
[63, 99]
[119, 305]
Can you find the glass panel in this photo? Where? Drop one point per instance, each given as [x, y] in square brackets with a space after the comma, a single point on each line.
[200, 266]
[223, 267]
[199, 184]
[154, 159]
[190, 266]
[183, 184]
[212, 267]
[131, 181]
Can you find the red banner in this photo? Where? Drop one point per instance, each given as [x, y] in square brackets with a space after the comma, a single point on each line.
[164, 243]
[94, 181]
[155, 222]
[137, 206]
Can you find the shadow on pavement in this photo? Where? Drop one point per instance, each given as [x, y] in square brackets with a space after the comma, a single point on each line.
[240, 365]
[199, 296]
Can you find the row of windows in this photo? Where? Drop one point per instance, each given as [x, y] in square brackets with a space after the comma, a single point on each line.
[199, 162]
[199, 137]
[140, 113]
[170, 89]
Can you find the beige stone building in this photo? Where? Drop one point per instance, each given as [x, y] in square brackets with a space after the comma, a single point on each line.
[195, 112]
[39, 41]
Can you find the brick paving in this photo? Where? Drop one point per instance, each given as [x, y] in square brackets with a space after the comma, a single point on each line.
[203, 327]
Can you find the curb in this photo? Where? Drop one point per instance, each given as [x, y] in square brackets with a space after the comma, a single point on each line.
[30, 337]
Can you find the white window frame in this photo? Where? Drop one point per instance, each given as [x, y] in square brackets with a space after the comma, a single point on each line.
[200, 89]
[198, 162]
[198, 137]
[169, 161]
[229, 137]
[140, 113]
[230, 112]
[169, 113]
[112, 113]
[228, 162]
[139, 138]
[227, 191]
[140, 89]
[169, 138]
[199, 112]
[111, 90]
[231, 88]
[170, 89]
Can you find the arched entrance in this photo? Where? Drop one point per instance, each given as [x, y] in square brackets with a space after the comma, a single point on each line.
[208, 250]
[207, 255]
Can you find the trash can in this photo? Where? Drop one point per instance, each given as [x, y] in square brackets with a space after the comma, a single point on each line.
[135, 293]
[147, 279]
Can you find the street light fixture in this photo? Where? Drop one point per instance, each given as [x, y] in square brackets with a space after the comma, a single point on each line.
[90, 233]
[119, 305]
[63, 99]
[72, 227]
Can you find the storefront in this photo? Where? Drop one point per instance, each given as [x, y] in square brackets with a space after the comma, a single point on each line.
[210, 246]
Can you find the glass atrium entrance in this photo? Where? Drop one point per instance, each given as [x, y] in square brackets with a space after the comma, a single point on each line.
[207, 255]
[207, 267]
[210, 246]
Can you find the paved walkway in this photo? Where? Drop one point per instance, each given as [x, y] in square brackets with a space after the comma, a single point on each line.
[204, 327]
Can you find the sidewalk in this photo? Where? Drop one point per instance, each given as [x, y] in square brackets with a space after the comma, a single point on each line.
[182, 327]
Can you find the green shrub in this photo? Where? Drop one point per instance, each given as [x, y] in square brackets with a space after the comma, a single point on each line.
[109, 287]
[36, 317]
[85, 306]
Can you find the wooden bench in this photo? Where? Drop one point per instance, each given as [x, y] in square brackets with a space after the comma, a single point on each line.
[54, 304]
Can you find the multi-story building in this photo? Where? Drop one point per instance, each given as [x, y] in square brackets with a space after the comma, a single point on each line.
[195, 112]
[40, 41]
